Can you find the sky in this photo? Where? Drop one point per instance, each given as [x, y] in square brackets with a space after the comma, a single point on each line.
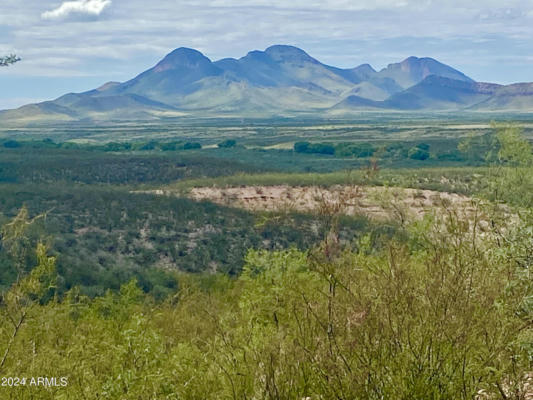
[77, 45]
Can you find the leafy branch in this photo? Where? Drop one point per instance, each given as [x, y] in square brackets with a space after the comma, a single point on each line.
[8, 60]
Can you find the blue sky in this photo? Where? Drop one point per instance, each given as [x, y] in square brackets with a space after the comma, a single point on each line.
[77, 45]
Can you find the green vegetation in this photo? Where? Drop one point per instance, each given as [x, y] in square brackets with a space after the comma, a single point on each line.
[8, 60]
[365, 150]
[314, 148]
[132, 295]
[468, 181]
[442, 314]
[419, 152]
[25, 164]
[140, 146]
[226, 144]
[102, 238]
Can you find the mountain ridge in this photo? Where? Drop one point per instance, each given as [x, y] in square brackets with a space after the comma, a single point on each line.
[282, 80]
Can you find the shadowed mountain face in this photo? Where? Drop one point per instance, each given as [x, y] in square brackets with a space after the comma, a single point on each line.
[282, 80]
[516, 97]
[437, 92]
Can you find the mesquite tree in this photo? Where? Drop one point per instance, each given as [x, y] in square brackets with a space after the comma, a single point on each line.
[8, 60]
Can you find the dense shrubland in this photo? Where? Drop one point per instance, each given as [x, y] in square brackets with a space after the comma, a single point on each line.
[103, 238]
[444, 314]
[436, 309]
[67, 166]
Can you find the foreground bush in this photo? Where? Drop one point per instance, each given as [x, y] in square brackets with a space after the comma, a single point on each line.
[443, 315]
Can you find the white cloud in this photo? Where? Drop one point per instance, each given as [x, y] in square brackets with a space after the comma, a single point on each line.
[315, 4]
[79, 7]
[135, 34]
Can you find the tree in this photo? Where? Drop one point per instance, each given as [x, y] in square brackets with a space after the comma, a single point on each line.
[514, 149]
[30, 289]
[192, 146]
[314, 148]
[226, 144]
[512, 178]
[8, 60]
[416, 153]
[301, 147]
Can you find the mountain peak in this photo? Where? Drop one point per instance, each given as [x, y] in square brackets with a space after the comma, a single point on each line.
[182, 57]
[280, 52]
[413, 70]
[185, 52]
[412, 60]
[107, 86]
[366, 66]
[365, 69]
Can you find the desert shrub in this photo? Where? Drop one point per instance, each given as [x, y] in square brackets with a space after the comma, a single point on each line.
[11, 144]
[228, 143]
[360, 150]
[115, 146]
[417, 153]
[314, 148]
[151, 145]
[192, 146]
[169, 146]
[443, 315]
[510, 175]
[423, 146]
[301, 147]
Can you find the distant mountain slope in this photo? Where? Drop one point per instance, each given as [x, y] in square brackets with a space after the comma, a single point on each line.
[440, 93]
[283, 66]
[45, 111]
[516, 97]
[188, 80]
[178, 74]
[282, 80]
[414, 70]
[353, 102]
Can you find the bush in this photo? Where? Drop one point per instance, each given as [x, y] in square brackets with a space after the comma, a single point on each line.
[115, 146]
[423, 146]
[148, 146]
[228, 143]
[361, 150]
[314, 148]
[192, 146]
[441, 316]
[416, 153]
[301, 147]
[11, 144]
[169, 146]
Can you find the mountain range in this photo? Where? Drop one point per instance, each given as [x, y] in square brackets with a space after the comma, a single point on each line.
[280, 81]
